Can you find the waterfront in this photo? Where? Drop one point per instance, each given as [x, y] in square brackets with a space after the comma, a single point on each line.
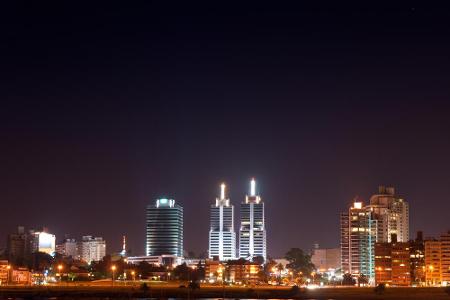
[216, 292]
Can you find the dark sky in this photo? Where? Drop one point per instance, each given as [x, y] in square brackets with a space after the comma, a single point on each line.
[105, 108]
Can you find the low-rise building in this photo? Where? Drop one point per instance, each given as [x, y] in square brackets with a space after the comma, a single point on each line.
[157, 260]
[214, 270]
[243, 272]
[5, 271]
[326, 259]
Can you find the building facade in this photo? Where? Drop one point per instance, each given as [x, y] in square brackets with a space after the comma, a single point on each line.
[326, 259]
[358, 237]
[437, 260]
[164, 232]
[433, 262]
[252, 232]
[68, 248]
[417, 260]
[392, 215]
[42, 241]
[17, 248]
[92, 248]
[392, 263]
[222, 237]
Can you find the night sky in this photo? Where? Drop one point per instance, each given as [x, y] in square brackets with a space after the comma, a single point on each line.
[105, 108]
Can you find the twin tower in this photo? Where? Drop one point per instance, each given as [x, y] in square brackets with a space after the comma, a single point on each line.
[252, 232]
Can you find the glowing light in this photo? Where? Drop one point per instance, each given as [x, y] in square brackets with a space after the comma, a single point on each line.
[253, 187]
[222, 191]
[357, 205]
[113, 267]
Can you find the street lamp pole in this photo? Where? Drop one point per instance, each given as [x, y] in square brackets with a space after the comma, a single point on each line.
[60, 267]
[8, 267]
[113, 269]
[133, 274]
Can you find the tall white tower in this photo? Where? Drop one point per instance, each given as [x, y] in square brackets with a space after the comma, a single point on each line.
[222, 237]
[252, 233]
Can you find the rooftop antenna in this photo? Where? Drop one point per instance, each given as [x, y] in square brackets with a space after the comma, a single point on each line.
[253, 187]
[222, 191]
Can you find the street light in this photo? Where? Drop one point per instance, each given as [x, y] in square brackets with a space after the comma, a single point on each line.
[60, 267]
[133, 274]
[113, 269]
[8, 267]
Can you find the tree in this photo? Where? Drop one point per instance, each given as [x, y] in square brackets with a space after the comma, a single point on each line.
[258, 259]
[41, 261]
[347, 279]
[182, 272]
[362, 279]
[299, 261]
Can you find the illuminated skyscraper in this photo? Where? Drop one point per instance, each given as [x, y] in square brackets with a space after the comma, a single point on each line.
[392, 214]
[252, 233]
[222, 237]
[164, 228]
[358, 237]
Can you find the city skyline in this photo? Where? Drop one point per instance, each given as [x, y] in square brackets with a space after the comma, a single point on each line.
[386, 211]
[105, 109]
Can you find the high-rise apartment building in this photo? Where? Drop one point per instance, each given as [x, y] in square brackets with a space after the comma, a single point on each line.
[17, 246]
[433, 262]
[392, 214]
[358, 237]
[417, 260]
[222, 237]
[69, 248]
[392, 263]
[252, 232]
[445, 258]
[92, 248]
[437, 260]
[164, 232]
[42, 241]
[362, 226]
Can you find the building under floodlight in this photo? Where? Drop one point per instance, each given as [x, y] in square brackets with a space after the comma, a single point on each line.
[222, 237]
[164, 228]
[252, 233]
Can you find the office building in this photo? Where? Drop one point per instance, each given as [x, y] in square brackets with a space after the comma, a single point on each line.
[164, 232]
[222, 237]
[392, 215]
[358, 237]
[92, 248]
[252, 233]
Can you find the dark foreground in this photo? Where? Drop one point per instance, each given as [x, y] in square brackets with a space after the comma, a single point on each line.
[218, 292]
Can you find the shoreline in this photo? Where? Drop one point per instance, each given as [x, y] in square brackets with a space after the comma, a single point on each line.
[161, 292]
